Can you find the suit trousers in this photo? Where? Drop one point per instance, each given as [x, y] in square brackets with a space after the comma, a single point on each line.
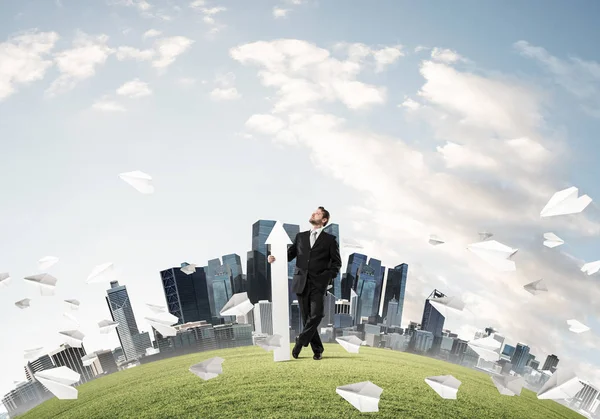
[311, 303]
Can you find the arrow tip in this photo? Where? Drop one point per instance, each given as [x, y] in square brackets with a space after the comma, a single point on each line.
[278, 235]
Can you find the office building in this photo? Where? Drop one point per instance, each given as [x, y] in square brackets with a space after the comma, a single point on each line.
[67, 356]
[433, 320]
[296, 318]
[328, 311]
[423, 340]
[395, 288]
[551, 361]
[520, 357]
[508, 350]
[391, 319]
[263, 317]
[350, 278]
[25, 396]
[187, 296]
[238, 278]
[107, 361]
[535, 364]
[42, 363]
[586, 398]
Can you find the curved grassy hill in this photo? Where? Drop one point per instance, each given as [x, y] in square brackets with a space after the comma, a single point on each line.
[253, 386]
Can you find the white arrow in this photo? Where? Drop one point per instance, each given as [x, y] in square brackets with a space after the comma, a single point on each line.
[278, 239]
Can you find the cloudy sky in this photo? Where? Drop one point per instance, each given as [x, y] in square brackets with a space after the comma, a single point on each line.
[403, 119]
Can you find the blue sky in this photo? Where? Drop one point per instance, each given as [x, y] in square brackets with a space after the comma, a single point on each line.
[525, 115]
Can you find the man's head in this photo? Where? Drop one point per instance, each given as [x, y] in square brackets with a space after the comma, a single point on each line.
[320, 217]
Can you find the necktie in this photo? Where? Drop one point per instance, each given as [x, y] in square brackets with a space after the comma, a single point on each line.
[313, 238]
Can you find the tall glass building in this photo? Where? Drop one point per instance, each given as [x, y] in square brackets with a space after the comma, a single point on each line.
[433, 320]
[350, 279]
[237, 276]
[395, 288]
[187, 295]
[121, 311]
[519, 358]
[366, 289]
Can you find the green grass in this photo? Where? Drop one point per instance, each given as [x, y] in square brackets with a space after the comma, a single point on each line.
[253, 386]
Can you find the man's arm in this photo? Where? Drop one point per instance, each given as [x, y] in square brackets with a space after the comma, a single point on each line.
[336, 261]
[293, 249]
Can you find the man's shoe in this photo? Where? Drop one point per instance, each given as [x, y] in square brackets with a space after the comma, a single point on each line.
[318, 356]
[296, 350]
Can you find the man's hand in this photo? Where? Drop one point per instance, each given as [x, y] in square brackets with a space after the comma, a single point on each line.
[271, 259]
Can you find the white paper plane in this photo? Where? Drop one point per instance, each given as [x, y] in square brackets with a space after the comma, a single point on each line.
[350, 343]
[577, 327]
[4, 279]
[141, 181]
[45, 282]
[536, 287]
[188, 269]
[106, 326]
[565, 202]
[73, 338]
[487, 348]
[58, 381]
[102, 273]
[208, 369]
[455, 303]
[47, 262]
[156, 308]
[552, 240]
[484, 235]
[591, 268]
[73, 304]
[364, 396]
[24, 303]
[71, 317]
[270, 343]
[563, 384]
[496, 254]
[434, 240]
[238, 305]
[351, 243]
[89, 359]
[444, 385]
[162, 323]
[34, 353]
[508, 385]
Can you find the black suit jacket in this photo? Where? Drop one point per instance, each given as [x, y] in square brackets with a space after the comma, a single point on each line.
[321, 263]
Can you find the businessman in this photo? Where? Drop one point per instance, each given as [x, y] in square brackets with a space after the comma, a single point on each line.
[318, 262]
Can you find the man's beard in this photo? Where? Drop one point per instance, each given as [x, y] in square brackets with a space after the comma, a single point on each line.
[313, 222]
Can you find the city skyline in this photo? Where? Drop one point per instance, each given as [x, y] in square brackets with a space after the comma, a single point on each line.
[419, 125]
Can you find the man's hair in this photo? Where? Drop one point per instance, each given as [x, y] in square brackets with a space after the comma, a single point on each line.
[325, 215]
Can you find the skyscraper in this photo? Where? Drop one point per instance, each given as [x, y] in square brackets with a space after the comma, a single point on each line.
[121, 311]
[395, 288]
[263, 317]
[433, 320]
[235, 264]
[42, 363]
[186, 295]
[350, 278]
[210, 271]
[67, 356]
[222, 287]
[366, 288]
[551, 361]
[334, 229]
[520, 357]
[295, 318]
[392, 315]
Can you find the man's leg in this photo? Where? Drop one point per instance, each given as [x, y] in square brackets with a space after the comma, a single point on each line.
[315, 302]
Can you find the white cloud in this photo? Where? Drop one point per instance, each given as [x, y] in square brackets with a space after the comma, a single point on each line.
[410, 104]
[209, 16]
[420, 48]
[134, 89]
[226, 89]
[197, 4]
[106, 105]
[170, 48]
[407, 195]
[124, 53]
[278, 12]
[386, 56]
[151, 33]
[383, 57]
[80, 62]
[447, 56]
[22, 60]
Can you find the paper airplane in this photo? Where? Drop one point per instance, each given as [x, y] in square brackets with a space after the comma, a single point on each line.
[591, 268]
[270, 343]
[188, 268]
[455, 303]
[444, 385]
[208, 369]
[364, 396]
[106, 326]
[45, 282]
[58, 381]
[4, 279]
[434, 240]
[89, 359]
[73, 338]
[552, 240]
[494, 253]
[565, 202]
[487, 348]
[508, 385]
[71, 317]
[34, 353]
[73, 304]
[351, 243]
[350, 343]
[102, 273]
[536, 287]
[577, 327]
[141, 181]
[156, 308]
[484, 235]
[162, 323]
[238, 305]
[47, 262]
[24, 303]
[563, 384]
